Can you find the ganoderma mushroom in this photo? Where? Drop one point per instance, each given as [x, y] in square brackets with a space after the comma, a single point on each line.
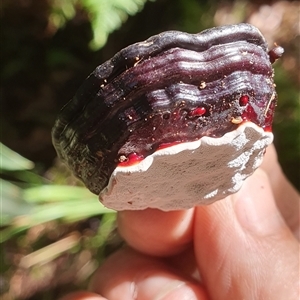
[172, 122]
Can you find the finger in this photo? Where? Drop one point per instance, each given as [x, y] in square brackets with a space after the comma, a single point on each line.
[244, 248]
[130, 275]
[155, 232]
[286, 196]
[82, 295]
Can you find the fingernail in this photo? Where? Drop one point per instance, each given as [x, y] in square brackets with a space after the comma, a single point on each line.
[180, 292]
[162, 288]
[255, 206]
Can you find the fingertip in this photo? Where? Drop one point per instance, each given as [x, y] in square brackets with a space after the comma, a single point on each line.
[156, 232]
[128, 274]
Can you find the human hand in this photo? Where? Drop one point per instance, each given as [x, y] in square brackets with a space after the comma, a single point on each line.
[243, 247]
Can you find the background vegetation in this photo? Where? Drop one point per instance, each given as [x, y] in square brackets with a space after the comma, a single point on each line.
[54, 233]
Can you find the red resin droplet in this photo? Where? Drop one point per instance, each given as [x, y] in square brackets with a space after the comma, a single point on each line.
[267, 128]
[132, 159]
[199, 111]
[244, 100]
[249, 114]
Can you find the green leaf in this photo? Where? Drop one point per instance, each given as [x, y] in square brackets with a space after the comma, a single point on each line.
[57, 193]
[61, 12]
[12, 204]
[12, 161]
[68, 211]
[108, 15]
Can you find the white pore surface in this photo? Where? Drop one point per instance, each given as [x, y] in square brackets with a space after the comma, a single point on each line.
[189, 174]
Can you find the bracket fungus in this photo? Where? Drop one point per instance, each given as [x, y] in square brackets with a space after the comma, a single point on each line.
[172, 122]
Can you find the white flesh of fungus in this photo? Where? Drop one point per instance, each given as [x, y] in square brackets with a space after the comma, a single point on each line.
[189, 174]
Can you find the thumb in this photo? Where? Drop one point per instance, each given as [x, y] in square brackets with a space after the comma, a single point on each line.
[243, 247]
